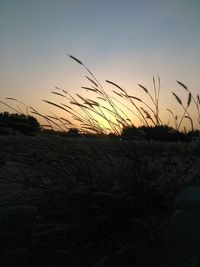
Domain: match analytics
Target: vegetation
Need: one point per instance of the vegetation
(81, 202)
(118, 111)
(24, 124)
(158, 133)
(93, 201)
(112, 109)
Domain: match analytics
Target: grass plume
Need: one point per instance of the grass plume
(108, 112)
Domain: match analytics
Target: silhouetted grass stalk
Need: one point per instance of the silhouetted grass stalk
(185, 108)
(91, 114)
(119, 116)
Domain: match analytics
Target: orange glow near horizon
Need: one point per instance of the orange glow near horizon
(166, 101)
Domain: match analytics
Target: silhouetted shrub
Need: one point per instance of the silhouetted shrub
(162, 133)
(24, 124)
(193, 135)
(157, 133)
(73, 132)
(132, 133)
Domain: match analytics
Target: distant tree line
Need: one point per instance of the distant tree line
(158, 133)
(13, 123)
(28, 125)
(148, 133)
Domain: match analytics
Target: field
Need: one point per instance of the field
(93, 202)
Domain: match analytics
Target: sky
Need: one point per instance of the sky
(127, 42)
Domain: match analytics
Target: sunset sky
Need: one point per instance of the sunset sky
(124, 41)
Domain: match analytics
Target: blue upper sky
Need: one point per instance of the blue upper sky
(125, 41)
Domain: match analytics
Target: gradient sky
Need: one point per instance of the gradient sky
(125, 41)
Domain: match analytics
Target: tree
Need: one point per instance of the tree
(155, 133)
(25, 124)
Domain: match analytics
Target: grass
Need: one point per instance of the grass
(82, 202)
(108, 112)
(93, 202)
(113, 109)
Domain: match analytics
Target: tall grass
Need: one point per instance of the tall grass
(114, 106)
(108, 112)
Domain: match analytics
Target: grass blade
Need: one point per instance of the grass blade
(144, 88)
(183, 85)
(116, 85)
(76, 59)
(177, 98)
(189, 99)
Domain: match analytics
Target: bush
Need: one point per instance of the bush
(24, 124)
(73, 132)
(132, 133)
(157, 133)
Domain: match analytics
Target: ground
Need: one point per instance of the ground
(94, 202)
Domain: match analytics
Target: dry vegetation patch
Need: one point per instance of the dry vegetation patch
(84, 202)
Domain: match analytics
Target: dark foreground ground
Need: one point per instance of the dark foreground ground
(75, 202)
